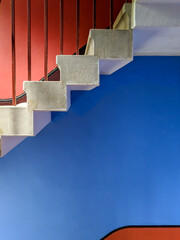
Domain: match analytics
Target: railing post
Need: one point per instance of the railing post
(13, 52)
(111, 14)
(46, 40)
(94, 14)
(61, 25)
(77, 27)
(29, 37)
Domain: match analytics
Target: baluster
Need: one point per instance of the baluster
(61, 25)
(46, 40)
(13, 52)
(29, 37)
(111, 14)
(77, 27)
(94, 14)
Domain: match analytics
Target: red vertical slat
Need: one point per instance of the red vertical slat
(29, 37)
(13, 52)
(77, 27)
(61, 25)
(46, 40)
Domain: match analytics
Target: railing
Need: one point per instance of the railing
(29, 59)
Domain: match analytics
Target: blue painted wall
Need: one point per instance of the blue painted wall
(112, 160)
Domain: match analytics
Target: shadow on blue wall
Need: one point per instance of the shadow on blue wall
(113, 159)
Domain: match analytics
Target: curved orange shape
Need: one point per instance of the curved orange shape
(145, 233)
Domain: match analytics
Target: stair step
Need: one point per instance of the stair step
(19, 125)
(46, 96)
(156, 27)
(113, 48)
(79, 72)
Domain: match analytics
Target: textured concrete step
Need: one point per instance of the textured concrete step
(21, 121)
(18, 122)
(156, 27)
(79, 72)
(113, 48)
(46, 96)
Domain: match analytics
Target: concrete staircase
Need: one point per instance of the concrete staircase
(145, 27)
